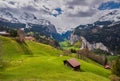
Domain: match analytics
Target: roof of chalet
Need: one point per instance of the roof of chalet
(73, 62)
(107, 67)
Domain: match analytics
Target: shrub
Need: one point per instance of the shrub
(73, 51)
(13, 33)
(3, 64)
(67, 52)
(114, 78)
(97, 58)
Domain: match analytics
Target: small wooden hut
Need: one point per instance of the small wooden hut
(73, 63)
(107, 67)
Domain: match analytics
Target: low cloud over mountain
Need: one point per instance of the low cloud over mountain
(64, 14)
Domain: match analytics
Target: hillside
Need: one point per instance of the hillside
(34, 61)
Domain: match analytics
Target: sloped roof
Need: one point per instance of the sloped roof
(107, 67)
(74, 62)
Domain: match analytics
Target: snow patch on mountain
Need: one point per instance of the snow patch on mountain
(27, 18)
(107, 15)
(22, 18)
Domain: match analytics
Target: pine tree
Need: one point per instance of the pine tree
(106, 60)
(116, 67)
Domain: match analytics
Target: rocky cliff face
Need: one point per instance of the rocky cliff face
(86, 44)
(99, 45)
(74, 38)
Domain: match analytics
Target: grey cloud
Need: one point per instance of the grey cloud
(11, 2)
(77, 2)
(89, 13)
(29, 8)
(43, 11)
(89, 3)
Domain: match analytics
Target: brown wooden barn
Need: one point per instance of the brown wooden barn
(73, 63)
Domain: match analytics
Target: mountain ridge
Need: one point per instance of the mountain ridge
(104, 31)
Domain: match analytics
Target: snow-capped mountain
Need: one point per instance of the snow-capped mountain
(27, 19)
(31, 22)
(28, 11)
(103, 18)
(104, 30)
(112, 15)
(24, 17)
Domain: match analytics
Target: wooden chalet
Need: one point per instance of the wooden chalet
(107, 67)
(73, 63)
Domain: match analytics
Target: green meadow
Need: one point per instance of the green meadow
(33, 61)
(67, 46)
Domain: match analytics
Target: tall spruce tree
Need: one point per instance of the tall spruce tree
(105, 61)
(116, 67)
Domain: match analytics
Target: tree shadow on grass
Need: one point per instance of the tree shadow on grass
(25, 48)
(4, 76)
(81, 70)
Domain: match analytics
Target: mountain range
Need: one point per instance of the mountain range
(30, 23)
(105, 28)
(104, 33)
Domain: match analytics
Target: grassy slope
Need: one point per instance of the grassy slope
(44, 64)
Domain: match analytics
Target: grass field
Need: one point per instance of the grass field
(34, 61)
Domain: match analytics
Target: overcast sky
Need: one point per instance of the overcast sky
(64, 14)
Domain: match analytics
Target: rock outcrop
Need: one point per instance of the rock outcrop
(86, 44)
(74, 38)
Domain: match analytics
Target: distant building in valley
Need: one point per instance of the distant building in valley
(30, 38)
(4, 33)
